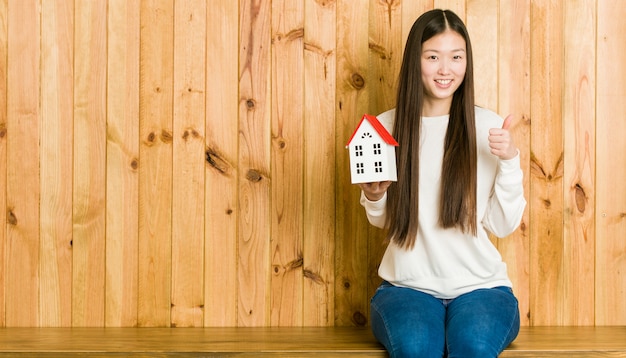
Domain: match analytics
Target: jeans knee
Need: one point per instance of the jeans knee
(410, 349)
(473, 348)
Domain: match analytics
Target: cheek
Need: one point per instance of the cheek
(461, 69)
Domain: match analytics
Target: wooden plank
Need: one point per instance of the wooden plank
(155, 169)
(411, 10)
(192, 342)
(57, 88)
(188, 156)
(88, 286)
(254, 158)
(22, 183)
(610, 284)
(579, 135)
(351, 240)
(482, 25)
(545, 341)
(287, 162)
(547, 242)
(122, 198)
(3, 152)
(385, 60)
(385, 53)
(457, 6)
(320, 66)
(514, 98)
(220, 275)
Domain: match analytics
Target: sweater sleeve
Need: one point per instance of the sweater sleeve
(506, 203)
(375, 210)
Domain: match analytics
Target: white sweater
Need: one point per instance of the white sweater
(447, 263)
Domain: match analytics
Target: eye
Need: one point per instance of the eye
(432, 57)
(458, 57)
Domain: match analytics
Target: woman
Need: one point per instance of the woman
(445, 289)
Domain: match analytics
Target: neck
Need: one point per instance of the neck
(434, 107)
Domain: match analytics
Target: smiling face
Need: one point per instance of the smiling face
(443, 65)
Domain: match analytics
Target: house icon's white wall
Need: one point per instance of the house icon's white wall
(372, 152)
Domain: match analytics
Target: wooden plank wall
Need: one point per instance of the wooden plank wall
(178, 163)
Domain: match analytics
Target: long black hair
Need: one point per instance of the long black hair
(457, 205)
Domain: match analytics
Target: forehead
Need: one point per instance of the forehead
(444, 42)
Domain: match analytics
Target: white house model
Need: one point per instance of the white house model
(372, 152)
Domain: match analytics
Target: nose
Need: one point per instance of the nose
(444, 67)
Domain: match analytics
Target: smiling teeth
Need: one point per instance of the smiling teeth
(444, 82)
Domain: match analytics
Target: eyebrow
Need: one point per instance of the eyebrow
(433, 50)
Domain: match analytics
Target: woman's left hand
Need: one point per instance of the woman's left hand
(501, 142)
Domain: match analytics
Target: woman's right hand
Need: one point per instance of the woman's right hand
(375, 191)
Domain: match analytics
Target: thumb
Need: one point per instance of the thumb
(507, 122)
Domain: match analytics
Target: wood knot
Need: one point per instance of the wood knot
(229, 211)
(216, 161)
(11, 218)
(325, 3)
(254, 176)
(346, 285)
(313, 276)
(3, 130)
(250, 104)
(151, 138)
(581, 198)
(359, 319)
(166, 136)
(190, 133)
(357, 81)
(134, 164)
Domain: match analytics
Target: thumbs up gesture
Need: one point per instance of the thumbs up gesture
(501, 142)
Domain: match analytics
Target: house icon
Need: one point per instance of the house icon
(372, 152)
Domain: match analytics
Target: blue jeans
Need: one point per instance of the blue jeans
(410, 323)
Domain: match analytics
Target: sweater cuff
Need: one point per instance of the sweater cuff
(510, 165)
(373, 207)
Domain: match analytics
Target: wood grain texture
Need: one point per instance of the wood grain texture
(3, 152)
(579, 234)
(221, 208)
(514, 86)
(610, 187)
(192, 152)
(351, 260)
(320, 66)
(122, 164)
(155, 167)
(482, 25)
(254, 158)
(287, 166)
(385, 59)
(89, 199)
(21, 258)
(55, 206)
(411, 10)
(188, 163)
(281, 341)
(546, 174)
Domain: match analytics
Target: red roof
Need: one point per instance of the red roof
(388, 138)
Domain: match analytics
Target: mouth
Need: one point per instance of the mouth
(443, 82)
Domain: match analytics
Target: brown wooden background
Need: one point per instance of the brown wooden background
(182, 162)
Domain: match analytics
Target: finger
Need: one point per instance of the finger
(507, 122)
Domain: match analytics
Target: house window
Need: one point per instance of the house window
(358, 150)
(366, 135)
(377, 149)
(378, 167)
(360, 168)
